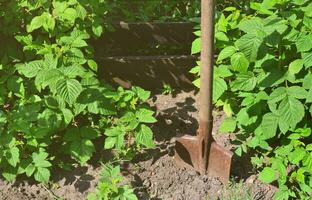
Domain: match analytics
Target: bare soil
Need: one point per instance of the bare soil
(154, 174)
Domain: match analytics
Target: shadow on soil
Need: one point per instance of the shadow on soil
(177, 119)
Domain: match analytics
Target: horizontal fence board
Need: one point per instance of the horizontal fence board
(132, 38)
(149, 72)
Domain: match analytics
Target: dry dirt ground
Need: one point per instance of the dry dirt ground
(154, 174)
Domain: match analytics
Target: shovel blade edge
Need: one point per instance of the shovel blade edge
(219, 164)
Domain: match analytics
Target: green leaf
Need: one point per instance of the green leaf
(97, 29)
(9, 173)
(294, 136)
(244, 82)
(196, 46)
(222, 71)
(278, 95)
(110, 142)
(93, 65)
(249, 44)
(145, 116)
(142, 94)
(70, 14)
(228, 125)
(296, 66)
(113, 132)
(220, 36)
(49, 78)
(291, 111)
(227, 52)
(307, 82)
(82, 150)
(15, 84)
(39, 157)
(239, 62)
(76, 39)
(219, 87)
(304, 43)
(144, 136)
(307, 59)
(268, 175)
(296, 156)
(251, 25)
(81, 12)
(269, 125)
(68, 116)
(69, 90)
(281, 195)
(297, 92)
(30, 69)
(35, 23)
(42, 175)
(12, 156)
(30, 169)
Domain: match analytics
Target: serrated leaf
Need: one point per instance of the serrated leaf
(278, 95)
(68, 116)
(81, 12)
(221, 36)
(12, 156)
(70, 14)
(145, 116)
(9, 173)
(307, 59)
(296, 66)
(307, 82)
(196, 46)
(82, 150)
(219, 87)
(228, 126)
(35, 23)
(304, 43)
(144, 136)
(227, 52)
(251, 25)
(113, 132)
(30, 69)
(69, 90)
(291, 111)
(268, 175)
(249, 44)
(93, 65)
(297, 92)
(296, 156)
(97, 29)
(30, 169)
(239, 62)
(110, 142)
(42, 175)
(244, 82)
(49, 78)
(222, 71)
(269, 125)
(142, 94)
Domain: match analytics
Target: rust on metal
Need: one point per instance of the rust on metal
(201, 152)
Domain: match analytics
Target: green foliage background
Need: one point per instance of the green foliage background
(263, 83)
(53, 106)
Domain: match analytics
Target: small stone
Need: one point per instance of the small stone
(147, 183)
(251, 179)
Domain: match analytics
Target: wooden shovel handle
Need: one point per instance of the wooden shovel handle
(206, 81)
(207, 60)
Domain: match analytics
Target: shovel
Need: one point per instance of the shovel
(201, 152)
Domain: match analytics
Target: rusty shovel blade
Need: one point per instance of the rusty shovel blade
(188, 154)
